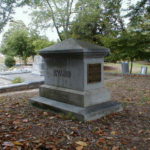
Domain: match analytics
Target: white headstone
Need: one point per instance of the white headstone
(38, 65)
(143, 70)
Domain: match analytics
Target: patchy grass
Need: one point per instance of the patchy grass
(17, 80)
(25, 127)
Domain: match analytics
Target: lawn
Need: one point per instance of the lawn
(23, 127)
(136, 67)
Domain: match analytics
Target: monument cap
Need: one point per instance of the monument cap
(74, 46)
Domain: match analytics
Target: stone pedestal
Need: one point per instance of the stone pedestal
(74, 80)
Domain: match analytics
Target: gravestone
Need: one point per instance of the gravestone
(125, 67)
(74, 81)
(38, 65)
(143, 70)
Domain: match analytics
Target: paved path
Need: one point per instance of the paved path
(20, 92)
(25, 76)
(4, 82)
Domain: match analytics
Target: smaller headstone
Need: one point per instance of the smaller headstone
(143, 70)
(3, 68)
(125, 67)
(38, 66)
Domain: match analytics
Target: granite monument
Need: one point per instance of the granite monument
(74, 80)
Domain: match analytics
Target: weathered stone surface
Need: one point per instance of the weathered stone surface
(80, 113)
(74, 46)
(74, 97)
(74, 80)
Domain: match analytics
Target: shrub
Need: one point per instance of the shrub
(10, 61)
(17, 80)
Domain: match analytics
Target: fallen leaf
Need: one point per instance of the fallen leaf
(25, 120)
(68, 137)
(100, 132)
(51, 117)
(113, 132)
(45, 113)
(8, 144)
(18, 143)
(140, 131)
(102, 140)
(109, 138)
(134, 148)
(81, 143)
(16, 122)
(115, 148)
(79, 148)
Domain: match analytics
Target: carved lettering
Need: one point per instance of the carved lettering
(62, 73)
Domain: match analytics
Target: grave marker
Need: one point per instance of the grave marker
(74, 80)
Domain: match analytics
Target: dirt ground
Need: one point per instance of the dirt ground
(23, 127)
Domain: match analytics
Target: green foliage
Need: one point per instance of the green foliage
(97, 21)
(10, 61)
(16, 42)
(138, 12)
(17, 80)
(7, 9)
(105, 26)
(53, 13)
(69, 115)
(19, 41)
(39, 42)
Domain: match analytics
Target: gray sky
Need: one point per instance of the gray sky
(23, 14)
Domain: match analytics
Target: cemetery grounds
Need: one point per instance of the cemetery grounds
(116, 67)
(23, 127)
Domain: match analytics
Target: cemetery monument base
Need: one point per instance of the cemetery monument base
(79, 113)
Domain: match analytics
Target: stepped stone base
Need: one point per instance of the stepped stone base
(80, 113)
(74, 97)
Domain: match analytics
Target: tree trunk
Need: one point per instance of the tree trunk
(24, 60)
(54, 21)
(131, 66)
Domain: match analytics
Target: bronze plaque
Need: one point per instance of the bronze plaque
(94, 73)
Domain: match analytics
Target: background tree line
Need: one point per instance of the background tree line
(98, 21)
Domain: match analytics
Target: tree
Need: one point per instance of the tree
(7, 9)
(39, 42)
(131, 46)
(55, 13)
(21, 42)
(139, 16)
(97, 20)
(16, 41)
(18, 44)
(138, 12)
